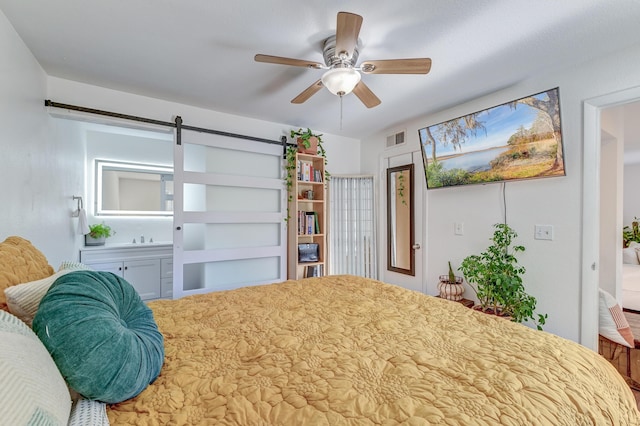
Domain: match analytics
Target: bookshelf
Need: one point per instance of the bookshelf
(307, 226)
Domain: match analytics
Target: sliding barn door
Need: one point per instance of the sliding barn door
(229, 209)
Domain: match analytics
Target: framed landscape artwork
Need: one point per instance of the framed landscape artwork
(521, 139)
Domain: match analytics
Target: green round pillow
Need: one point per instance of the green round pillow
(101, 335)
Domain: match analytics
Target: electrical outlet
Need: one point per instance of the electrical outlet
(458, 228)
(543, 232)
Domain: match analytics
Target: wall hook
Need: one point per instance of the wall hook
(76, 212)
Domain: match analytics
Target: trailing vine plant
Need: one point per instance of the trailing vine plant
(290, 167)
(401, 188)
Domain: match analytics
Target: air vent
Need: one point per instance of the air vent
(395, 139)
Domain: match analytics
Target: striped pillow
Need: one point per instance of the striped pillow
(23, 299)
(32, 389)
(613, 324)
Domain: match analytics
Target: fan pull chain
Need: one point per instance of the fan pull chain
(341, 112)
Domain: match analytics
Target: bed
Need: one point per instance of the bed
(349, 350)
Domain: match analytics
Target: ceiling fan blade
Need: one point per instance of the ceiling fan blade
(307, 93)
(287, 61)
(397, 66)
(368, 98)
(347, 32)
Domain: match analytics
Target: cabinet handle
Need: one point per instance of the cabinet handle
(126, 267)
(119, 268)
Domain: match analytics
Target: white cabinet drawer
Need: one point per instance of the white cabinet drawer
(166, 267)
(166, 288)
(149, 269)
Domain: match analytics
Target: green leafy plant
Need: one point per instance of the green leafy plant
(100, 230)
(401, 188)
(631, 234)
(496, 278)
(305, 136)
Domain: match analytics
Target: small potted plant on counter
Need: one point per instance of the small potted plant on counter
(98, 234)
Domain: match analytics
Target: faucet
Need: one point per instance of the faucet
(142, 238)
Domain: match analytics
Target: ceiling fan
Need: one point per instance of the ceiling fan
(340, 54)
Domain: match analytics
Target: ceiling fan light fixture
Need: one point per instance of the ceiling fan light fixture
(341, 81)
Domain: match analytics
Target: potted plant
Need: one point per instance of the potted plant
(496, 278)
(631, 234)
(97, 234)
(450, 286)
(308, 143)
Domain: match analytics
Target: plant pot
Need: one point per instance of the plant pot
(451, 291)
(490, 311)
(313, 146)
(90, 241)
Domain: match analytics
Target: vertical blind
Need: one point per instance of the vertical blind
(352, 243)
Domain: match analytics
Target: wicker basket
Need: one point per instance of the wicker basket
(449, 290)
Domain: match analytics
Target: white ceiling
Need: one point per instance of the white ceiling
(200, 52)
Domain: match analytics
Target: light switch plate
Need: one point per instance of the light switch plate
(543, 232)
(458, 228)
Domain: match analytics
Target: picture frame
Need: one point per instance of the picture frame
(517, 140)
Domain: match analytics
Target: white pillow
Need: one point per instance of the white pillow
(23, 299)
(613, 324)
(32, 390)
(630, 255)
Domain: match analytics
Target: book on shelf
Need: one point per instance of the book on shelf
(317, 225)
(308, 223)
(305, 171)
(314, 271)
(311, 223)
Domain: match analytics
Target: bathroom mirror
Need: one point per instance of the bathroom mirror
(400, 240)
(133, 189)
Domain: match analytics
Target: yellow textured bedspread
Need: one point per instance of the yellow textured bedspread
(347, 350)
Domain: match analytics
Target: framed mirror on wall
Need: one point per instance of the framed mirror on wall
(400, 220)
(133, 189)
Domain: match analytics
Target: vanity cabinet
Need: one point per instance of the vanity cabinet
(148, 268)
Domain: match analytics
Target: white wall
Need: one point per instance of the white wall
(41, 165)
(610, 210)
(553, 267)
(631, 208)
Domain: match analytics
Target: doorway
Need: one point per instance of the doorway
(416, 281)
(592, 111)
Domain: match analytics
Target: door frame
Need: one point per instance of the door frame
(420, 224)
(591, 208)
